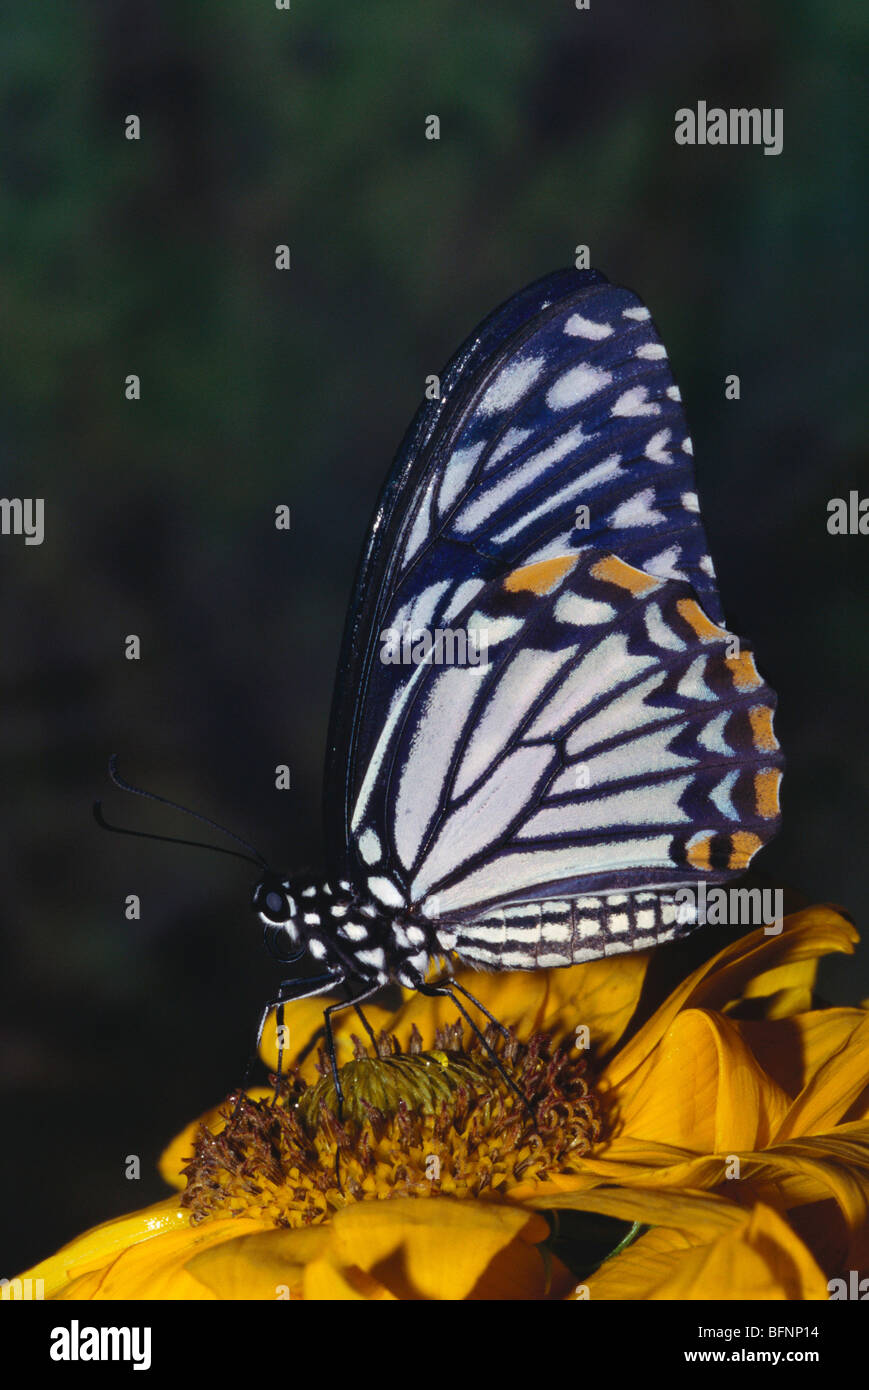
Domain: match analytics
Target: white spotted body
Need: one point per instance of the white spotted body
(359, 938)
(343, 931)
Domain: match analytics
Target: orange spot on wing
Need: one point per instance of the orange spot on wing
(761, 728)
(699, 853)
(694, 616)
(614, 571)
(744, 671)
(766, 786)
(542, 577)
(743, 844)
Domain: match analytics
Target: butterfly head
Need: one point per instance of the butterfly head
(278, 909)
(301, 914)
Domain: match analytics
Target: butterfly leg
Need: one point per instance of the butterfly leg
(353, 1002)
(367, 1026)
(505, 1032)
(446, 991)
(288, 991)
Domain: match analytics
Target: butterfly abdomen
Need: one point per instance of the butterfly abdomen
(565, 931)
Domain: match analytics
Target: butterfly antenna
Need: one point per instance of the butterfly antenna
(253, 856)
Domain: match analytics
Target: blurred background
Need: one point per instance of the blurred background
(156, 257)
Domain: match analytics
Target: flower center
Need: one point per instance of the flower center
(412, 1123)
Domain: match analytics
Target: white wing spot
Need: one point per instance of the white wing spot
(462, 597)
(660, 632)
(712, 736)
(355, 931)
(369, 846)
(576, 385)
(420, 528)
(638, 511)
(510, 385)
(600, 473)
(385, 891)
(635, 402)
(692, 685)
(457, 473)
(665, 564)
(579, 327)
(512, 439)
(375, 957)
(506, 488)
(571, 608)
(657, 450)
(721, 796)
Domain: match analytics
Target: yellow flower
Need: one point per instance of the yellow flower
(727, 1130)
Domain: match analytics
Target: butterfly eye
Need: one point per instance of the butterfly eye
(273, 902)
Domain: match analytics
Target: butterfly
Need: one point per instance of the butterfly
(534, 795)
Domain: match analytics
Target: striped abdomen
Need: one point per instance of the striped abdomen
(564, 931)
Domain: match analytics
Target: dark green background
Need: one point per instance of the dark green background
(261, 127)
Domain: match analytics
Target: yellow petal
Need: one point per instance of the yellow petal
(602, 995)
(791, 1050)
(788, 1175)
(720, 981)
(641, 1269)
(325, 1280)
(81, 1290)
(828, 1095)
(699, 1215)
(819, 1166)
(436, 1248)
(157, 1269)
(95, 1248)
(762, 1258)
(783, 990)
(269, 1264)
(701, 1089)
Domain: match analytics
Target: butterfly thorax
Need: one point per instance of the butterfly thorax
(344, 929)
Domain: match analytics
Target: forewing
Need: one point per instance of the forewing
(562, 400)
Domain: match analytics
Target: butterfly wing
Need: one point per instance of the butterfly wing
(615, 738)
(562, 400)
